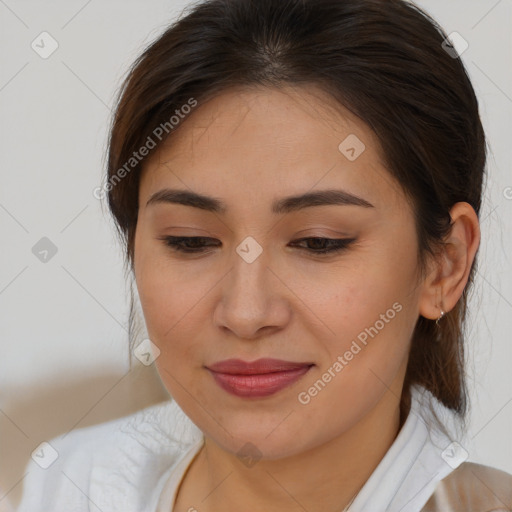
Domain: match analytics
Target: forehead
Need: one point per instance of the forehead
(253, 144)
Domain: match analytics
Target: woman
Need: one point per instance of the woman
(297, 184)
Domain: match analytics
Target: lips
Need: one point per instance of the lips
(259, 378)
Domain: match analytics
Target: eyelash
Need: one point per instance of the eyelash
(337, 244)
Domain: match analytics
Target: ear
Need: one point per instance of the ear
(449, 272)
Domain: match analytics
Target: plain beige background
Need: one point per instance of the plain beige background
(65, 360)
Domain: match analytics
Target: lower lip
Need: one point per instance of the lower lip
(265, 384)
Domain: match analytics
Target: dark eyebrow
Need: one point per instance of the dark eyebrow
(318, 198)
(284, 205)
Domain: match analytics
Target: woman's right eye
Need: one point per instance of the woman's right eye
(187, 244)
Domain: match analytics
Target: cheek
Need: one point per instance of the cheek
(369, 310)
(347, 305)
(163, 295)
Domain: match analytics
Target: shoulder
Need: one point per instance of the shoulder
(116, 464)
(472, 487)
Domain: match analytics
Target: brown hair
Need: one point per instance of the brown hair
(382, 59)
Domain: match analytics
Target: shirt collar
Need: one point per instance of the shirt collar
(421, 456)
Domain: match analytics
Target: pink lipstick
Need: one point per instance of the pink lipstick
(256, 379)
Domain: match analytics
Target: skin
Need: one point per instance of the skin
(248, 147)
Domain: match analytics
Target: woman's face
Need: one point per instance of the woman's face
(259, 290)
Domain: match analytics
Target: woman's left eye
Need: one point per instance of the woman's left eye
(195, 244)
(326, 245)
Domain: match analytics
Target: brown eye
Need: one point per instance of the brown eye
(325, 245)
(187, 244)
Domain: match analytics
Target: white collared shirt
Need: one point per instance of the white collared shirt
(136, 463)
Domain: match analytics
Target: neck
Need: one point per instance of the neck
(326, 477)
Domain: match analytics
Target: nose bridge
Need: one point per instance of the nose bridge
(250, 298)
(250, 273)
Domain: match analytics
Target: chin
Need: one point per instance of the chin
(256, 442)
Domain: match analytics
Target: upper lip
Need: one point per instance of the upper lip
(260, 366)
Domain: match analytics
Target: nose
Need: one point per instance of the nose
(254, 301)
